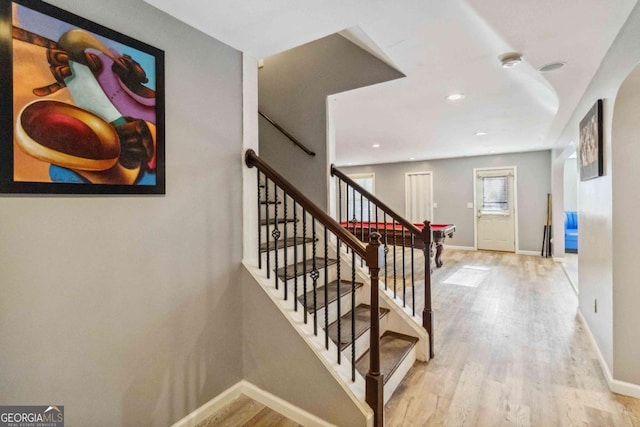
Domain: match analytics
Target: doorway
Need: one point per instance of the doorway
(495, 208)
(418, 196)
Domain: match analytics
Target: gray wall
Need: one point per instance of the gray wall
(599, 277)
(292, 89)
(453, 189)
(127, 309)
(571, 185)
(626, 235)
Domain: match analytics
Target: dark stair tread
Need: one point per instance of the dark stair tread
(290, 241)
(332, 290)
(394, 347)
(270, 202)
(299, 267)
(272, 221)
(363, 322)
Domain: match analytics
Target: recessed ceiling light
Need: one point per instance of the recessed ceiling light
(552, 67)
(480, 133)
(376, 145)
(510, 59)
(455, 96)
(349, 164)
(412, 158)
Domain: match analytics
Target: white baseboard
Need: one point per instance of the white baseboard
(519, 252)
(279, 405)
(460, 248)
(616, 386)
(211, 407)
(573, 285)
(558, 259)
(282, 406)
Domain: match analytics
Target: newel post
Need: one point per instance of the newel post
(427, 314)
(374, 379)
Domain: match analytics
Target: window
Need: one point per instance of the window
(363, 211)
(495, 194)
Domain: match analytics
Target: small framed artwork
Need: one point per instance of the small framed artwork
(81, 106)
(591, 157)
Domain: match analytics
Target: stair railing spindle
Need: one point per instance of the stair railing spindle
(276, 233)
(314, 277)
(404, 274)
(353, 316)
(259, 221)
(386, 251)
(304, 266)
(286, 244)
(413, 278)
(338, 302)
(395, 264)
(326, 289)
(295, 254)
(265, 203)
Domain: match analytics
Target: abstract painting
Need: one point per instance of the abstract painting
(82, 106)
(591, 158)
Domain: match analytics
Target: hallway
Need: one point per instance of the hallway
(510, 350)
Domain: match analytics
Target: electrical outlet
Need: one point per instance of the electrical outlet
(595, 305)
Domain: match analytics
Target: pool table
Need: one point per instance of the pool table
(395, 236)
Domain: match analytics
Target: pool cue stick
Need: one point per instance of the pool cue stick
(550, 224)
(544, 234)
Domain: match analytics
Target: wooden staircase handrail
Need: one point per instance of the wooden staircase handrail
(287, 134)
(253, 160)
(397, 217)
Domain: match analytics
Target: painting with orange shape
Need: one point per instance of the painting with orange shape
(126, 74)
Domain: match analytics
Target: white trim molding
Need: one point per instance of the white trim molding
(271, 401)
(616, 386)
(520, 252)
(460, 248)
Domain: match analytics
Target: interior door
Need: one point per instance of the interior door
(419, 197)
(495, 209)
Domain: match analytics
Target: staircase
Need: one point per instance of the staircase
(331, 279)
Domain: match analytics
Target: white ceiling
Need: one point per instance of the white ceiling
(443, 47)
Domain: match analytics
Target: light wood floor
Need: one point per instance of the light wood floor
(510, 351)
(245, 412)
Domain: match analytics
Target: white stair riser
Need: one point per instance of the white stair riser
(394, 381)
(345, 307)
(291, 255)
(320, 282)
(267, 230)
(362, 342)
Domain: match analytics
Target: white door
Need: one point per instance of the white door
(419, 197)
(495, 209)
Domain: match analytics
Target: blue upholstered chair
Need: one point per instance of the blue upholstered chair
(571, 231)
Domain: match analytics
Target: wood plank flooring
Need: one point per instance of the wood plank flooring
(245, 412)
(510, 351)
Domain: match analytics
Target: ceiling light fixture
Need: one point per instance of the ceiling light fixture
(376, 145)
(480, 133)
(455, 96)
(552, 67)
(412, 158)
(511, 59)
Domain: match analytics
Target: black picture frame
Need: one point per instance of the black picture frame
(590, 149)
(82, 107)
